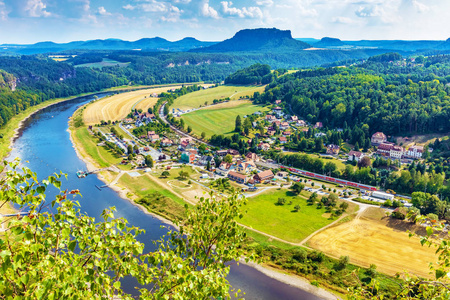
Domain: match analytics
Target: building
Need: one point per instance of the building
(378, 138)
(277, 109)
(264, 176)
(205, 159)
(319, 134)
(283, 140)
(318, 125)
(383, 195)
(244, 167)
(166, 142)
(188, 157)
(251, 156)
(284, 125)
(153, 138)
(333, 149)
(277, 101)
(264, 146)
(224, 168)
(287, 133)
(270, 117)
(355, 156)
(240, 178)
(415, 152)
(396, 152)
(385, 148)
(222, 152)
(294, 118)
(301, 123)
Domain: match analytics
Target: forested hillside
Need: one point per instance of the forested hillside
(393, 97)
(255, 74)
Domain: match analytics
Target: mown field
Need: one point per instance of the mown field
(219, 119)
(372, 239)
(281, 221)
(197, 99)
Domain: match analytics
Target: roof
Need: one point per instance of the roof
(207, 158)
(265, 174)
(283, 138)
(397, 148)
(355, 153)
(236, 174)
(379, 135)
(332, 146)
(385, 146)
(417, 148)
(224, 165)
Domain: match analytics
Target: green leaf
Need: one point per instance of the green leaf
(116, 285)
(72, 245)
(439, 273)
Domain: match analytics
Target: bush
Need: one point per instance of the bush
(281, 201)
(316, 256)
(300, 255)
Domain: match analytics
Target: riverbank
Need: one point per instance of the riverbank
(123, 192)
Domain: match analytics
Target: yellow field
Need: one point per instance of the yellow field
(368, 241)
(119, 106)
(146, 103)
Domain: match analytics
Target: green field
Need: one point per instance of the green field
(262, 214)
(104, 63)
(197, 99)
(218, 121)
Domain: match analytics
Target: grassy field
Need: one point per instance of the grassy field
(339, 163)
(197, 99)
(219, 119)
(373, 240)
(280, 221)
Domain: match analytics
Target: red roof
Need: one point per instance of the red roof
(236, 174)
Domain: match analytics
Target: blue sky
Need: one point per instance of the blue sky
(29, 21)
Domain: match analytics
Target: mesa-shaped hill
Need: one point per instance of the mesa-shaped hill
(259, 40)
(329, 42)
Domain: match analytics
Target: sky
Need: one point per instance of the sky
(30, 21)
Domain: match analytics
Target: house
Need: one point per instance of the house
(243, 167)
(319, 134)
(276, 122)
(153, 138)
(277, 108)
(233, 152)
(294, 118)
(257, 113)
(415, 152)
(224, 168)
(251, 156)
(205, 159)
(301, 123)
(188, 157)
(385, 148)
(264, 176)
(128, 120)
(271, 132)
(287, 133)
(318, 125)
(138, 123)
(183, 145)
(378, 138)
(333, 149)
(277, 101)
(264, 146)
(284, 125)
(283, 140)
(166, 142)
(222, 152)
(240, 178)
(270, 118)
(355, 156)
(396, 152)
(254, 124)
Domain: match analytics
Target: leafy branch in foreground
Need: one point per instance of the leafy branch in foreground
(67, 254)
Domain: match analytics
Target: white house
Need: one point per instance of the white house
(415, 152)
(396, 152)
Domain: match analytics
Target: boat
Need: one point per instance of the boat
(82, 174)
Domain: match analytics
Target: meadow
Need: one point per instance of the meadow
(198, 98)
(219, 119)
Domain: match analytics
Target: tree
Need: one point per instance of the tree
(208, 165)
(129, 149)
(238, 124)
(149, 161)
(364, 162)
(228, 158)
(85, 259)
(165, 174)
(281, 201)
(189, 129)
(183, 174)
(296, 208)
(203, 135)
(297, 187)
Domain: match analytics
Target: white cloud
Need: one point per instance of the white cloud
(342, 20)
(36, 8)
(102, 11)
(244, 12)
(208, 11)
(420, 7)
(129, 7)
(264, 2)
(3, 11)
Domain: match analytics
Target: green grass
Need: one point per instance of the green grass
(280, 221)
(339, 163)
(197, 99)
(104, 63)
(218, 121)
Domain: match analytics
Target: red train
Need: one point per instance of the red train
(331, 179)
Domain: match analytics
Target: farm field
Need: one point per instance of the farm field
(279, 220)
(219, 119)
(104, 63)
(119, 106)
(373, 240)
(197, 99)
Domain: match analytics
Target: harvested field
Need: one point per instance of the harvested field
(420, 139)
(384, 243)
(147, 103)
(118, 106)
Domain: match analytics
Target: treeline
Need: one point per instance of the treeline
(255, 74)
(416, 100)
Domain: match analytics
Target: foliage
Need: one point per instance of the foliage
(63, 253)
(255, 74)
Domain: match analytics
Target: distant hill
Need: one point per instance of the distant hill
(329, 42)
(147, 44)
(260, 40)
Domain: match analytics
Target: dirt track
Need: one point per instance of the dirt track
(368, 242)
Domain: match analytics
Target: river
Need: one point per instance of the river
(44, 142)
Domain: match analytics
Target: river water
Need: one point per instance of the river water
(44, 146)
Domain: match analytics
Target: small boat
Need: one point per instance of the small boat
(82, 174)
